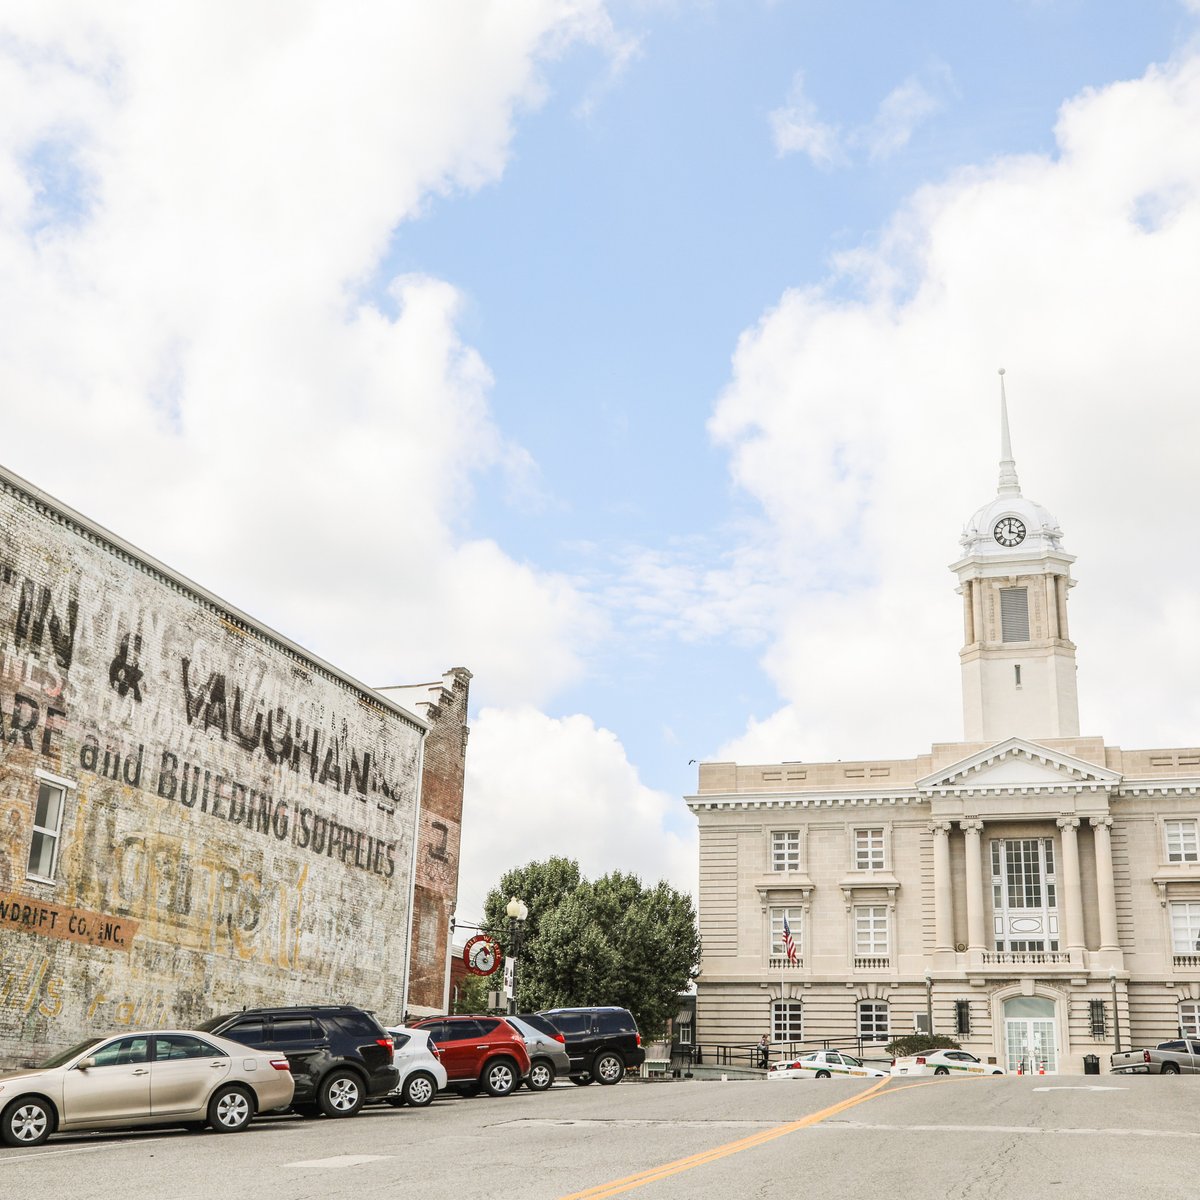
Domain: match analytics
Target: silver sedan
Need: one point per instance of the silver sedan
(161, 1077)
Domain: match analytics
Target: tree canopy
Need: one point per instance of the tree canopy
(611, 941)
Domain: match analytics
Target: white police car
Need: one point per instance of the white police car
(823, 1064)
(944, 1062)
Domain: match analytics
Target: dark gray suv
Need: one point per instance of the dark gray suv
(603, 1043)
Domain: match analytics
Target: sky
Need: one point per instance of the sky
(638, 356)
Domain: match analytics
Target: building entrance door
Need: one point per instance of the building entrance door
(1030, 1036)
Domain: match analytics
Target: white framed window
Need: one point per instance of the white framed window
(794, 916)
(787, 1021)
(47, 831)
(1185, 926)
(1189, 1019)
(1182, 843)
(869, 853)
(874, 1023)
(870, 931)
(785, 850)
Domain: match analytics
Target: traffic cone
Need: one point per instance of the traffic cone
(1020, 1068)
(1042, 1069)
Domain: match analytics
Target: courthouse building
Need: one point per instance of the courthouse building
(1032, 892)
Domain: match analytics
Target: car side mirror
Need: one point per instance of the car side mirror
(84, 1063)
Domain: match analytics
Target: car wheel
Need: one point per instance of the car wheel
(609, 1069)
(581, 1080)
(1170, 1068)
(26, 1122)
(230, 1110)
(419, 1089)
(341, 1094)
(823, 1075)
(941, 1070)
(541, 1075)
(500, 1077)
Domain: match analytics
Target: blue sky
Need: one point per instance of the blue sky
(639, 357)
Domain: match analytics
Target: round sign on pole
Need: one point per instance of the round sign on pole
(481, 955)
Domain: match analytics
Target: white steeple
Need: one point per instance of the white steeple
(1018, 665)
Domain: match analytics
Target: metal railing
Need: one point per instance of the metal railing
(749, 1054)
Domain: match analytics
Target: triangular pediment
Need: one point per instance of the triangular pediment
(1018, 764)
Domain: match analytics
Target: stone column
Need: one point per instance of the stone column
(977, 940)
(1051, 606)
(1072, 890)
(1106, 890)
(943, 896)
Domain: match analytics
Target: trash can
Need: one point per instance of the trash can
(1091, 1064)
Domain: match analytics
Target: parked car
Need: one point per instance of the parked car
(478, 1052)
(340, 1056)
(603, 1043)
(823, 1064)
(1180, 1056)
(419, 1062)
(160, 1077)
(944, 1062)
(548, 1057)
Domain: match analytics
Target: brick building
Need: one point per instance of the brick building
(195, 813)
(443, 706)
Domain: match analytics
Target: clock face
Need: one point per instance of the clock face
(1009, 531)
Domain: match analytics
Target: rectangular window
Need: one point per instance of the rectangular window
(787, 1021)
(47, 826)
(1014, 614)
(962, 1017)
(1189, 1019)
(1096, 1017)
(1185, 926)
(870, 931)
(868, 849)
(1182, 843)
(785, 850)
(793, 919)
(873, 1023)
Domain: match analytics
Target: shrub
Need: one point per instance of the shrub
(918, 1043)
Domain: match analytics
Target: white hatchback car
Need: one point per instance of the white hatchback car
(419, 1061)
(824, 1064)
(944, 1062)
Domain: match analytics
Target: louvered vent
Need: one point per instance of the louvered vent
(1014, 614)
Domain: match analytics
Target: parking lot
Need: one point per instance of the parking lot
(1004, 1137)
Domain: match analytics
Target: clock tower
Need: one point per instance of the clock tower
(1018, 662)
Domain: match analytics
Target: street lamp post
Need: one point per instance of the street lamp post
(929, 1002)
(517, 912)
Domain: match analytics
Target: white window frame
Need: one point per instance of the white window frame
(787, 1021)
(1189, 1018)
(53, 834)
(874, 1030)
(1185, 926)
(795, 916)
(870, 849)
(1181, 840)
(871, 922)
(785, 850)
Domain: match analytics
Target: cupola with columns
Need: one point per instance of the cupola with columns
(1018, 662)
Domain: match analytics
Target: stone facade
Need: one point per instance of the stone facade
(1031, 892)
(443, 706)
(195, 814)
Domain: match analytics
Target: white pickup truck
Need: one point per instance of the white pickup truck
(1180, 1057)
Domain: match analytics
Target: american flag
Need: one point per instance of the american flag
(789, 945)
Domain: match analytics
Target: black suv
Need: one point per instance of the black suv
(603, 1042)
(341, 1057)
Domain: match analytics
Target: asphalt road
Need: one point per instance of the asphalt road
(973, 1139)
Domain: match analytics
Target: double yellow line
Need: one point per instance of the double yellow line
(617, 1186)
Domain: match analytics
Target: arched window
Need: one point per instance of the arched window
(787, 1021)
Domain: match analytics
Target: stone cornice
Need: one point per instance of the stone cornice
(756, 800)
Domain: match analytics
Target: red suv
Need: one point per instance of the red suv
(479, 1052)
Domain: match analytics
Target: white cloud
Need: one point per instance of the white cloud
(539, 786)
(867, 429)
(899, 113)
(191, 208)
(796, 128)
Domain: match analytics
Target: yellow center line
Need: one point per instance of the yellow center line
(616, 1186)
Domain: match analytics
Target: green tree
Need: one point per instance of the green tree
(472, 994)
(614, 941)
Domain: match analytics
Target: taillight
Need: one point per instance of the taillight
(281, 1064)
(1145, 1056)
(920, 1061)
(893, 1062)
(639, 1038)
(433, 1049)
(558, 1037)
(386, 1043)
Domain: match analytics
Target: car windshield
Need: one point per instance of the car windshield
(65, 1057)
